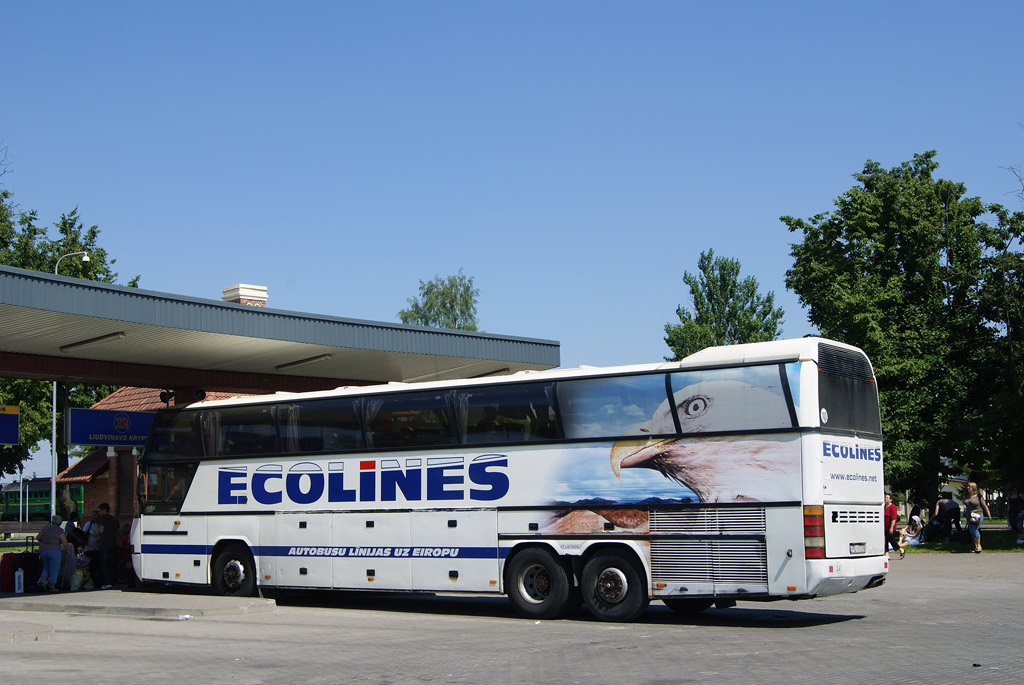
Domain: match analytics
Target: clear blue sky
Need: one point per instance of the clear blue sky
(573, 157)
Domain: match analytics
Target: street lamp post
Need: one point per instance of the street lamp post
(53, 421)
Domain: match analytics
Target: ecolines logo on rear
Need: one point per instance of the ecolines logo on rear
(442, 478)
(841, 451)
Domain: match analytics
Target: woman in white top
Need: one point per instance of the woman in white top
(910, 536)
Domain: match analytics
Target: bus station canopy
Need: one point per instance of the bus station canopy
(60, 328)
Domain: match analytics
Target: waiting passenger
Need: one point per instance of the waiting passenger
(910, 536)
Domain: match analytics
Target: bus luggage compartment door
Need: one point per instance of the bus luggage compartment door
(457, 551)
(304, 560)
(372, 550)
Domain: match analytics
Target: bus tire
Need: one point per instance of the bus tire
(614, 587)
(234, 571)
(539, 585)
(687, 606)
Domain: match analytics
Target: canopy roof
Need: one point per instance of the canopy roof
(56, 327)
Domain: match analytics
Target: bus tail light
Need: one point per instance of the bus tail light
(814, 532)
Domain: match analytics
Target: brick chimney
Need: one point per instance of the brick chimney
(252, 295)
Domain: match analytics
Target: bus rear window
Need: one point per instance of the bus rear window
(847, 391)
(848, 404)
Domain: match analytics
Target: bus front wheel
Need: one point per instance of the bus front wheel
(234, 571)
(539, 585)
(614, 587)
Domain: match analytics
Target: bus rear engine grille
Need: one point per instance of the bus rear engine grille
(709, 561)
(709, 521)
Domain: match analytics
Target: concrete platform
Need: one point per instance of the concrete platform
(157, 603)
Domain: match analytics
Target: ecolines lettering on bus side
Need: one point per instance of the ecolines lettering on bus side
(306, 482)
(840, 451)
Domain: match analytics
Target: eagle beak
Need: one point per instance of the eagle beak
(633, 453)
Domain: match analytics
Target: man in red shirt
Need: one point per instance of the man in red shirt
(891, 516)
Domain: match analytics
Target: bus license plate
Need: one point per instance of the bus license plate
(858, 547)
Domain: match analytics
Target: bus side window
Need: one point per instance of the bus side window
(321, 426)
(167, 485)
(506, 413)
(615, 406)
(409, 419)
(245, 430)
(542, 424)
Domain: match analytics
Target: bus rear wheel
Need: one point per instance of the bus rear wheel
(687, 606)
(539, 585)
(614, 587)
(234, 571)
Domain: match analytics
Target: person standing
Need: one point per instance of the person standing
(976, 510)
(1015, 514)
(108, 547)
(52, 543)
(92, 546)
(946, 515)
(890, 516)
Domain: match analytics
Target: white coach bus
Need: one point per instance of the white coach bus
(745, 472)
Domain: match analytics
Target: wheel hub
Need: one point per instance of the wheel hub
(234, 574)
(612, 585)
(534, 584)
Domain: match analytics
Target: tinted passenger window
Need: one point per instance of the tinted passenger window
(612, 407)
(321, 426)
(509, 413)
(408, 420)
(174, 436)
(241, 430)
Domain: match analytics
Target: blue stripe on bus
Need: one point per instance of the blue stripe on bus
(369, 551)
(359, 552)
(148, 548)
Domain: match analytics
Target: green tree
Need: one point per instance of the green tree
(444, 303)
(897, 269)
(727, 310)
(999, 433)
(25, 244)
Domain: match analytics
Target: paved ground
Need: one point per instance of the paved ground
(956, 618)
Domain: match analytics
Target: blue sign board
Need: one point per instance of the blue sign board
(107, 427)
(8, 425)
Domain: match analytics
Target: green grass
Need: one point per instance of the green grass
(1004, 540)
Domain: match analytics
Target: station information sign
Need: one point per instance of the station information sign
(108, 427)
(8, 425)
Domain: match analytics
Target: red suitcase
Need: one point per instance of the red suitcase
(8, 563)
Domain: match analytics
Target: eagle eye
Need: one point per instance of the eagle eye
(694, 406)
